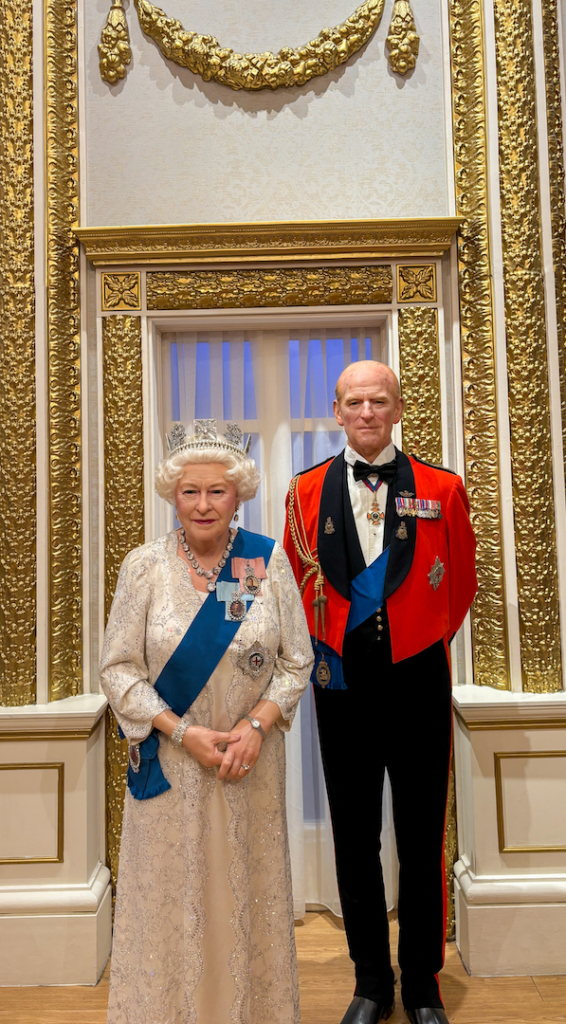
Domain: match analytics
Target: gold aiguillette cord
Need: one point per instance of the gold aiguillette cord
(309, 560)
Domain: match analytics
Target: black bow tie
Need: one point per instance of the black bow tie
(387, 472)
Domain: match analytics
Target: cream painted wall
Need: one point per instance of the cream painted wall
(163, 146)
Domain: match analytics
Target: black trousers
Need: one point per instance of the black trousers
(397, 717)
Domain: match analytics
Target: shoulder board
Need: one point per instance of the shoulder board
(431, 465)
(310, 469)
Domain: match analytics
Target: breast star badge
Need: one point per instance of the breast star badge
(436, 573)
(255, 660)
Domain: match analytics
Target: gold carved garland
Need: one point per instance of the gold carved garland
(204, 55)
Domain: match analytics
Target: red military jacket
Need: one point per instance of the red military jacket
(430, 580)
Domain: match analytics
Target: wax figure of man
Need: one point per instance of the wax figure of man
(382, 546)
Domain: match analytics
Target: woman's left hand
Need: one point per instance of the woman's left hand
(245, 751)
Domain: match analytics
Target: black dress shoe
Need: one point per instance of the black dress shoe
(427, 1015)
(365, 1011)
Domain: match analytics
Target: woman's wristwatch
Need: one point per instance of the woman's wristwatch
(255, 724)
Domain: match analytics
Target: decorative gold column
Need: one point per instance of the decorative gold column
(557, 198)
(422, 435)
(420, 382)
(489, 628)
(17, 358)
(63, 338)
(529, 411)
(124, 513)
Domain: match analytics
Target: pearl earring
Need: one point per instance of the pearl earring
(236, 516)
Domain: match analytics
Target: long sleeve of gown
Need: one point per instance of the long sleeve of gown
(295, 658)
(124, 671)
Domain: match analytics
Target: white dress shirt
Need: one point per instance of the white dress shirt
(362, 498)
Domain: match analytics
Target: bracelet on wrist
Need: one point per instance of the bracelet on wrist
(178, 733)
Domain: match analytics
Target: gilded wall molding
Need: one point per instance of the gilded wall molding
(419, 367)
(525, 321)
(489, 626)
(557, 198)
(17, 359)
(63, 340)
(197, 244)
(205, 56)
(124, 514)
(221, 289)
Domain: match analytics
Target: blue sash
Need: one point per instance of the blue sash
(367, 597)
(367, 591)
(192, 663)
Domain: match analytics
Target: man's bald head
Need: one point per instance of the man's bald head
(367, 371)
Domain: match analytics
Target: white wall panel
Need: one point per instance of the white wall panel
(162, 146)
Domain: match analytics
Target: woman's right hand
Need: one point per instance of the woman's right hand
(202, 743)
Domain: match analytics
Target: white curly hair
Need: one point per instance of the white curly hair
(242, 472)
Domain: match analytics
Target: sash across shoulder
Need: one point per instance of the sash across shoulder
(192, 663)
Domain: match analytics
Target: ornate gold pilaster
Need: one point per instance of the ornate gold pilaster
(529, 412)
(17, 358)
(124, 513)
(420, 382)
(489, 631)
(557, 199)
(65, 542)
(419, 362)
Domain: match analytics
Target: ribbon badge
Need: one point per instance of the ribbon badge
(234, 600)
(250, 572)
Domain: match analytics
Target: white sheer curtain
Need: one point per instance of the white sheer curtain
(279, 386)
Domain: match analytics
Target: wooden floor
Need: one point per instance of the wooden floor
(326, 988)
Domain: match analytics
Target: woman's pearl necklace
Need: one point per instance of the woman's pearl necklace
(207, 573)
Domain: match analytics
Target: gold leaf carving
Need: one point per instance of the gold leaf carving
(63, 329)
(489, 629)
(121, 291)
(197, 244)
(402, 41)
(285, 287)
(114, 47)
(17, 358)
(414, 283)
(124, 514)
(204, 55)
(525, 322)
(420, 382)
(557, 198)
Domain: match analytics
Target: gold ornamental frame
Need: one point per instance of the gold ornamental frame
(327, 267)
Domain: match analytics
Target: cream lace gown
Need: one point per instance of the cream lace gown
(204, 913)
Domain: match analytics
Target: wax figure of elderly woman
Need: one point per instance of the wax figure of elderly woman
(205, 657)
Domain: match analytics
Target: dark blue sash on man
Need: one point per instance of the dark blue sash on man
(366, 592)
(192, 663)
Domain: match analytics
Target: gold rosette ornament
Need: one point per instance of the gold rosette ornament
(402, 41)
(204, 55)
